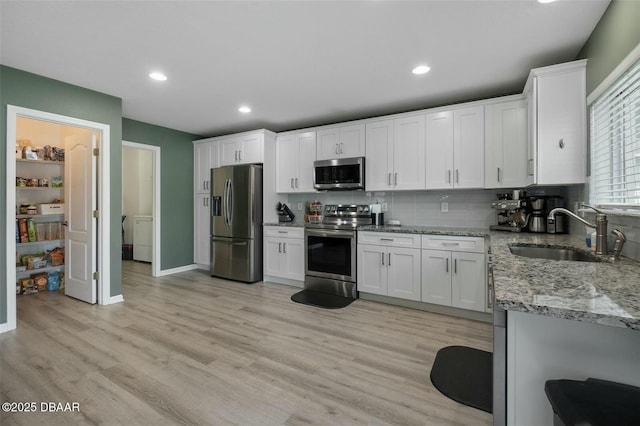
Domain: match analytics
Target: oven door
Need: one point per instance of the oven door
(330, 253)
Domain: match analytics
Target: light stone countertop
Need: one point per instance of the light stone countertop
(598, 292)
(286, 224)
(428, 230)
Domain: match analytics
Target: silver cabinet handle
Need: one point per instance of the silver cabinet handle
(498, 174)
(457, 176)
(282, 232)
(382, 256)
(561, 143)
(450, 244)
(447, 267)
(455, 266)
(395, 178)
(204, 184)
(386, 239)
(291, 183)
(341, 145)
(240, 155)
(337, 149)
(389, 179)
(284, 248)
(449, 176)
(236, 155)
(389, 263)
(296, 183)
(279, 247)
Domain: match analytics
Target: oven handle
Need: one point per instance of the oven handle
(330, 233)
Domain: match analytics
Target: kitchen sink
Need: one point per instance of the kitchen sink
(552, 253)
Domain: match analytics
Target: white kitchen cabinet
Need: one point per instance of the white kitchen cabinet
(454, 146)
(201, 231)
(389, 264)
(295, 154)
(205, 158)
(557, 110)
(454, 272)
(341, 142)
(284, 255)
(395, 154)
(506, 144)
(245, 148)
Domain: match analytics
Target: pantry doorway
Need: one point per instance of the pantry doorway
(86, 202)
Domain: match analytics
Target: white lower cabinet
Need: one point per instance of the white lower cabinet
(283, 254)
(389, 264)
(201, 235)
(454, 272)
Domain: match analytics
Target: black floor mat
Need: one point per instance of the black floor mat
(465, 375)
(321, 300)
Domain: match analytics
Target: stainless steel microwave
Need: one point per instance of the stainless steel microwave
(339, 174)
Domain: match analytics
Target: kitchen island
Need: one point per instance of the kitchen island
(565, 319)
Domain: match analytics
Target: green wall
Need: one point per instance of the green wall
(176, 183)
(617, 33)
(28, 90)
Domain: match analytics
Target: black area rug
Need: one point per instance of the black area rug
(465, 375)
(321, 300)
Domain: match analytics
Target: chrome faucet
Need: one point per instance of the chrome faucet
(600, 226)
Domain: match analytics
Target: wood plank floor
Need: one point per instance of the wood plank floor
(191, 349)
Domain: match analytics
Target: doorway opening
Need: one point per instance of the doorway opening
(141, 203)
(66, 204)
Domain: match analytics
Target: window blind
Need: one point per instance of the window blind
(615, 143)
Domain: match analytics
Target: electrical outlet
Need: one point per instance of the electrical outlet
(444, 207)
(384, 207)
(300, 207)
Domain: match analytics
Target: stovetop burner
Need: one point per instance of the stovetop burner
(341, 216)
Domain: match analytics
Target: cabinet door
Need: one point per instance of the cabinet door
(379, 156)
(506, 145)
(403, 273)
(286, 163)
(372, 269)
(205, 158)
(436, 277)
(468, 282)
(327, 146)
(439, 150)
(306, 157)
(201, 237)
(229, 149)
(561, 128)
(293, 250)
(250, 149)
(273, 257)
(408, 153)
(468, 147)
(351, 142)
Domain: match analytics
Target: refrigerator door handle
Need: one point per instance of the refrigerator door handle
(215, 206)
(230, 210)
(225, 205)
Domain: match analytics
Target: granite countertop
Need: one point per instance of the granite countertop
(428, 230)
(598, 292)
(287, 224)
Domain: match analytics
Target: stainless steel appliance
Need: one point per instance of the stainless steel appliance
(560, 224)
(512, 215)
(330, 247)
(538, 217)
(236, 222)
(339, 174)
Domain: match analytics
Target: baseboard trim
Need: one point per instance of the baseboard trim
(116, 299)
(177, 270)
(285, 281)
(4, 327)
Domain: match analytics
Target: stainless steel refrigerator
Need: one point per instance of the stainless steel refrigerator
(236, 222)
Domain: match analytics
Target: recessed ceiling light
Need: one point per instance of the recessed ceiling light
(546, 1)
(421, 69)
(158, 76)
(244, 109)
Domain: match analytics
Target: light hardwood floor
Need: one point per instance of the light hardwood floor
(191, 349)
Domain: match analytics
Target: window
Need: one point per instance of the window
(615, 143)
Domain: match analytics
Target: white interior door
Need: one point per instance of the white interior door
(79, 199)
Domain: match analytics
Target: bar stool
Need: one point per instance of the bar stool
(593, 402)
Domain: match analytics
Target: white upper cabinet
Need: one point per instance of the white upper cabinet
(242, 149)
(341, 142)
(295, 154)
(205, 158)
(506, 144)
(395, 154)
(455, 148)
(557, 124)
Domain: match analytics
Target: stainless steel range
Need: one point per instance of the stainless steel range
(330, 247)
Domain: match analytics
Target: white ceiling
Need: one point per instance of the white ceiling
(296, 63)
